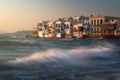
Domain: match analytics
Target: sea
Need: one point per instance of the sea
(59, 59)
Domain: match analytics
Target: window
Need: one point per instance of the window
(104, 31)
(97, 29)
(94, 22)
(94, 29)
(97, 22)
(67, 26)
(101, 21)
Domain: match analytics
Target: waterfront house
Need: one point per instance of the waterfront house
(117, 30)
(68, 29)
(41, 29)
(107, 30)
(58, 29)
(34, 32)
(78, 31)
(51, 29)
(102, 26)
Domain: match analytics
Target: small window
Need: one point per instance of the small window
(101, 21)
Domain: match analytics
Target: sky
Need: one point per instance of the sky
(18, 15)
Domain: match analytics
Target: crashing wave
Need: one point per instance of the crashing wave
(76, 56)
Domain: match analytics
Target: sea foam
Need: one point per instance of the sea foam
(75, 56)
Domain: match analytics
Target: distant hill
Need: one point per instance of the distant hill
(1, 32)
(17, 34)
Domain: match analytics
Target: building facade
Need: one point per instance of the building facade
(102, 26)
(78, 27)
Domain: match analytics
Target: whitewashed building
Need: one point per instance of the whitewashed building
(77, 31)
(68, 29)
